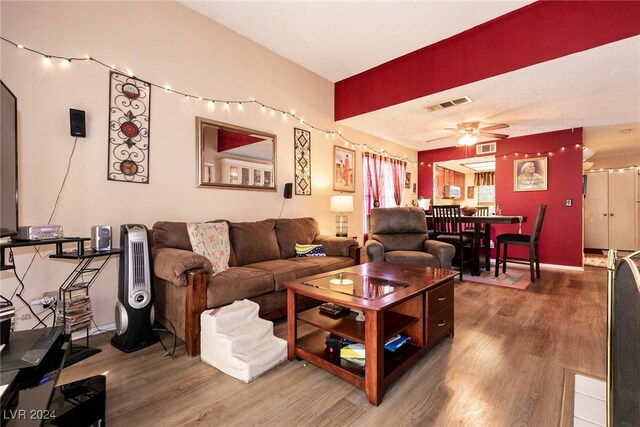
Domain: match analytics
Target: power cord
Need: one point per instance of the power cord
(175, 339)
(19, 293)
(37, 249)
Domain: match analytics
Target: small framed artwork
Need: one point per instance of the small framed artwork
(470, 192)
(530, 174)
(267, 178)
(415, 188)
(344, 169)
(407, 180)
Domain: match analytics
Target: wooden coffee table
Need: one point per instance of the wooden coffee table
(395, 298)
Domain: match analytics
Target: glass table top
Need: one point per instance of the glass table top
(366, 287)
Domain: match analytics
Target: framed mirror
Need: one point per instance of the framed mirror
(235, 157)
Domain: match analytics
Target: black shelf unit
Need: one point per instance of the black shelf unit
(82, 276)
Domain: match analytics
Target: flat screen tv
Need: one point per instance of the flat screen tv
(9, 162)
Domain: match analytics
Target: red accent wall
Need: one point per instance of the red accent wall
(538, 32)
(561, 238)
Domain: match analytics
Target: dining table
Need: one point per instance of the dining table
(478, 221)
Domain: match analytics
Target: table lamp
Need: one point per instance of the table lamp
(340, 205)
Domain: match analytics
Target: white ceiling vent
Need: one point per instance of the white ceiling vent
(447, 104)
(488, 148)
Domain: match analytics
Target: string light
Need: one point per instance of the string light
(612, 170)
(517, 153)
(210, 102)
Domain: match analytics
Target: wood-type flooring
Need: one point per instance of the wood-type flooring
(504, 367)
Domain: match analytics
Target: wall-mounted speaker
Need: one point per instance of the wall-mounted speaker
(77, 125)
(101, 237)
(288, 190)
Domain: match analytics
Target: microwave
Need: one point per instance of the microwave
(451, 192)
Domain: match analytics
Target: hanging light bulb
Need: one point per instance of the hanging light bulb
(468, 139)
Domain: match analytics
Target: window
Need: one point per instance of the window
(384, 181)
(486, 194)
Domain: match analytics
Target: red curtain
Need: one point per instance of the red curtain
(373, 163)
(398, 169)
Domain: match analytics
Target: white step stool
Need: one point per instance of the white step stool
(236, 341)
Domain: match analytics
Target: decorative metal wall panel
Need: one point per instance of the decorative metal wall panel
(129, 121)
(303, 161)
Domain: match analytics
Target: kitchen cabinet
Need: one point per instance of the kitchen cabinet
(446, 176)
(610, 210)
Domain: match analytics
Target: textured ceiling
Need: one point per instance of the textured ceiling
(598, 89)
(337, 39)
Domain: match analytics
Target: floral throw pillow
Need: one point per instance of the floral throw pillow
(309, 250)
(212, 241)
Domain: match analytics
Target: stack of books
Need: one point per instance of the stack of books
(354, 353)
(75, 311)
(394, 343)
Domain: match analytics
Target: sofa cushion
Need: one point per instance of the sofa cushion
(397, 220)
(401, 241)
(254, 241)
(422, 259)
(212, 241)
(168, 234)
(290, 231)
(327, 263)
(237, 283)
(284, 270)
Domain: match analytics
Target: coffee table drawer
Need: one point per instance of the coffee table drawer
(439, 326)
(440, 298)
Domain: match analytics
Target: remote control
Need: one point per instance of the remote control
(333, 310)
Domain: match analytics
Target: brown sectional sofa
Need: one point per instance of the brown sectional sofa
(262, 258)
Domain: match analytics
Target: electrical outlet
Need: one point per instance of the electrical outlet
(491, 244)
(26, 316)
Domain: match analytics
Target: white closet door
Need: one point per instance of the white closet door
(621, 209)
(596, 211)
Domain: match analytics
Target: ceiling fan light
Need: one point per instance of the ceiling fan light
(468, 139)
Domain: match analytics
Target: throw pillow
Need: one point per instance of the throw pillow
(212, 241)
(309, 250)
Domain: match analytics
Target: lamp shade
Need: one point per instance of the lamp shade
(341, 204)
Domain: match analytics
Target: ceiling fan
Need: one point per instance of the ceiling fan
(468, 132)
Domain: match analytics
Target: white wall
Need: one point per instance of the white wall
(167, 44)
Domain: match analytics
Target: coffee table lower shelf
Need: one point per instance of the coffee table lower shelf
(311, 348)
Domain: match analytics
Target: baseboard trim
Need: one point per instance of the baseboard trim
(93, 331)
(542, 265)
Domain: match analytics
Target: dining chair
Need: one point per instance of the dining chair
(448, 228)
(522, 240)
(484, 235)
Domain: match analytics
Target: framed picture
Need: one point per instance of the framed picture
(470, 192)
(407, 180)
(530, 174)
(415, 188)
(344, 169)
